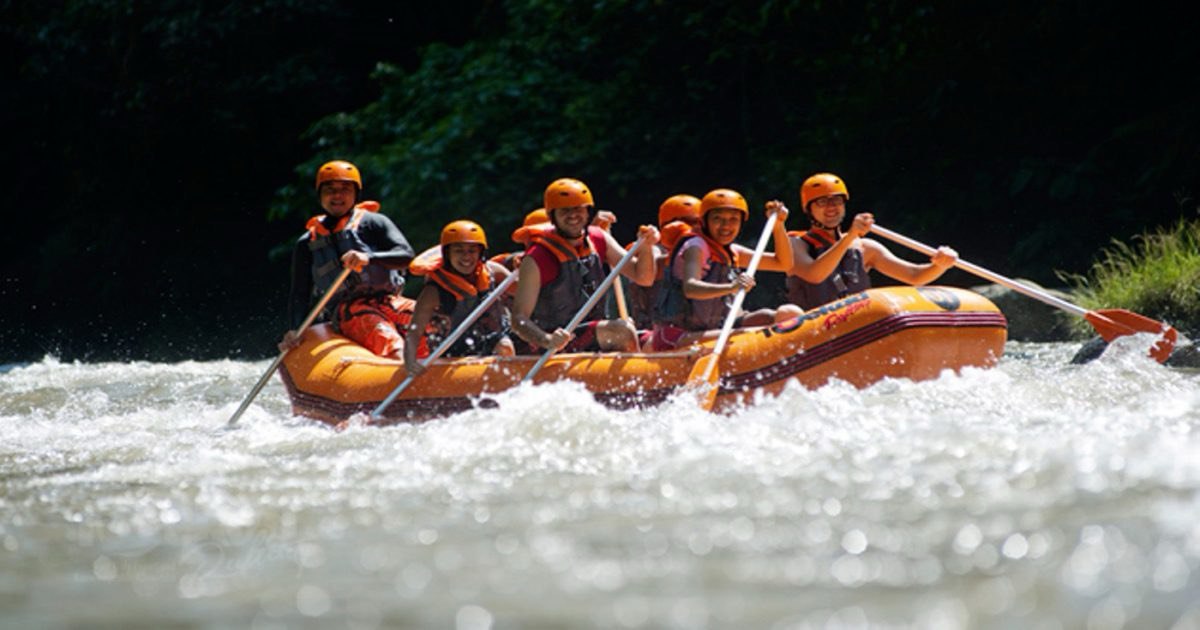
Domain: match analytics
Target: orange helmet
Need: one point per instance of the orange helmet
(523, 234)
(338, 171)
(567, 193)
(821, 185)
(678, 207)
(536, 217)
(724, 198)
(463, 231)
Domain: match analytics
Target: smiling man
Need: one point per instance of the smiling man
(563, 267)
(368, 308)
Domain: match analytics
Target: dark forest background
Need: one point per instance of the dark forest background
(159, 156)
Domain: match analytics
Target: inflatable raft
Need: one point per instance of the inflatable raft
(892, 332)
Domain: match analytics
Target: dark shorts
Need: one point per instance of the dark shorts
(584, 341)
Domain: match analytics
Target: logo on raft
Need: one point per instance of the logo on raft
(834, 314)
(943, 298)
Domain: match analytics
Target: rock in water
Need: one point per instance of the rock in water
(1029, 319)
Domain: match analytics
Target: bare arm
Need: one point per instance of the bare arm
(779, 260)
(696, 289)
(815, 271)
(643, 269)
(427, 303)
(876, 256)
(529, 287)
(499, 272)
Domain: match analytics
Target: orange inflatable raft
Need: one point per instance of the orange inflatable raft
(897, 332)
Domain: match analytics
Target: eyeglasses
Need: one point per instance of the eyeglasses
(337, 188)
(831, 200)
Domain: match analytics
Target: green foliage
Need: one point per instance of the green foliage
(938, 113)
(641, 100)
(148, 137)
(1159, 276)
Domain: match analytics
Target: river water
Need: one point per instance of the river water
(1033, 495)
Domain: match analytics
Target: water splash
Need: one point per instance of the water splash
(1036, 492)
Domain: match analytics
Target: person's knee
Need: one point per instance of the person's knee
(761, 317)
(787, 311)
(617, 334)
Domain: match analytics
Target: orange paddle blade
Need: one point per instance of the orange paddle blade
(1118, 322)
(703, 378)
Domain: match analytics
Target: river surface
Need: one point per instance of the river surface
(1033, 495)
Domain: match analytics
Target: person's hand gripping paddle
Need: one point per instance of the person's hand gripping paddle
(704, 374)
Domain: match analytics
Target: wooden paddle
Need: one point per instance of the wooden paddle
(1110, 323)
(483, 306)
(704, 374)
(588, 306)
(337, 283)
(618, 290)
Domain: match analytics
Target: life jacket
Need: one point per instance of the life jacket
(673, 307)
(850, 275)
(327, 248)
(580, 272)
(642, 300)
(670, 234)
(458, 297)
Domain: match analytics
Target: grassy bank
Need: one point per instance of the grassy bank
(1157, 276)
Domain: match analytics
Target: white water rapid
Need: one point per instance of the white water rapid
(1033, 495)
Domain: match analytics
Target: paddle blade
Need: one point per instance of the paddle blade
(1117, 322)
(703, 379)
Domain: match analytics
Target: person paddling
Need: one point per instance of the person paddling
(829, 263)
(459, 281)
(704, 272)
(677, 215)
(368, 307)
(563, 267)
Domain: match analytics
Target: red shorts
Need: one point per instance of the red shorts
(666, 337)
(377, 323)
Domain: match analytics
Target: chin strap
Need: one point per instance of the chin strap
(836, 230)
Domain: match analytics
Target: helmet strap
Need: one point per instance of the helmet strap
(837, 229)
(812, 218)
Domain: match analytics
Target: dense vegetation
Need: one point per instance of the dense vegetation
(152, 139)
(1159, 273)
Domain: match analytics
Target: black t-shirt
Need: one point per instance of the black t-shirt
(388, 247)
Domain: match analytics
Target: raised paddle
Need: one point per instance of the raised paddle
(704, 373)
(337, 283)
(1109, 322)
(587, 306)
(496, 294)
